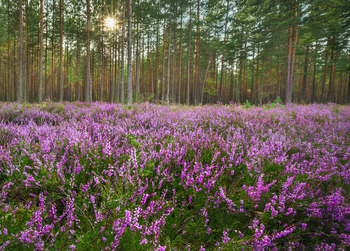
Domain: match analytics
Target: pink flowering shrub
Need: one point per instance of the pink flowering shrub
(75, 176)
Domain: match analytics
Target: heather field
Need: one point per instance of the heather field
(79, 176)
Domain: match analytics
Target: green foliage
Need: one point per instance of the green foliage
(247, 104)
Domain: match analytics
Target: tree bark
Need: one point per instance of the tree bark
(26, 63)
(324, 76)
(88, 93)
(314, 78)
(305, 75)
(174, 67)
(188, 57)
(20, 67)
(157, 67)
(61, 50)
(180, 58)
(122, 94)
(296, 29)
(262, 80)
(168, 82)
(329, 95)
(223, 51)
(40, 96)
(163, 70)
(252, 85)
(288, 87)
(138, 58)
(130, 53)
(204, 80)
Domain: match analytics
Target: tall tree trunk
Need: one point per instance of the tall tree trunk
(46, 48)
(102, 59)
(88, 92)
(204, 80)
(188, 57)
(61, 50)
(324, 77)
(240, 71)
(130, 53)
(252, 85)
(262, 79)
(180, 58)
(122, 94)
(289, 54)
(305, 75)
(329, 95)
(26, 63)
(52, 52)
(174, 67)
(78, 61)
(149, 90)
(223, 51)
(296, 29)
(278, 92)
(119, 72)
(196, 75)
(163, 70)
(348, 99)
(269, 83)
(138, 58)
(40, 96)
(168, 82)
(8, 52)
(20, 68)
(313, 98)
(157, 67)
(255, 95)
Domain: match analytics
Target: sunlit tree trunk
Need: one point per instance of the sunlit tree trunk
(130, 53)
(26, 63)
(61, 50)
(52, 52)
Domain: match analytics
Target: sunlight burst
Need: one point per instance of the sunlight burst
(110, 24)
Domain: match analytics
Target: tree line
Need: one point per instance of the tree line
(182, 51)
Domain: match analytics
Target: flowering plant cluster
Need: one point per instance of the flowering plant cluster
(77, 176)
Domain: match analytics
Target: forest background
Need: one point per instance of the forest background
(182, 51)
